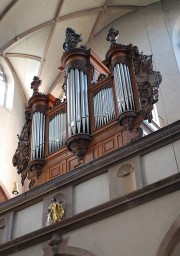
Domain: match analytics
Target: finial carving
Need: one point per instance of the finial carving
(72, 39)
(35, 85)
(112, 36)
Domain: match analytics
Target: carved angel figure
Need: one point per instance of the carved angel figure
(55, 212)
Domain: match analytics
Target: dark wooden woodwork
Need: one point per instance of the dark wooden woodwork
(83, 148)
(93, 168)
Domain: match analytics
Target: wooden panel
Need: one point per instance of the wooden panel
(109, 145)
(55, 171)
(89, 156)
(63, 167)
(72, 163)
(98, 150)
(47, 176)
(119, 140)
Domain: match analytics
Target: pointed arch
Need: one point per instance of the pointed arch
(3, 194)
(75, 251)
(171, 239)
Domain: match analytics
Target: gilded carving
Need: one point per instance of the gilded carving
(55, 212)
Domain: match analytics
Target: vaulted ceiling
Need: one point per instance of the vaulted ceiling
(32, 33)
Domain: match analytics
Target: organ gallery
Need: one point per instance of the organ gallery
(103, 108)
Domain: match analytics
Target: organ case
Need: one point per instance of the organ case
(106, 103)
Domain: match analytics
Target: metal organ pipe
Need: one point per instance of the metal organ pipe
(77, 102)
(103, 107)
(57, 132)
(38, 131)
(123, 86)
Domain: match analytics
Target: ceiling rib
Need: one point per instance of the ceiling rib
(16, 75)
(22, 55)
(126, 7)
(58, 11)
(98, 19)
(79, 13)
(8, 8)
(95, 26)
(24, 34)
(47, 23)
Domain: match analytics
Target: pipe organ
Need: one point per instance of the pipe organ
(57, 132)
(123, 88)
(77, 102)
(103, 104)
(106, 103)
(37, 133)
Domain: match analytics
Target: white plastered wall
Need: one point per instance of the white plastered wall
(137, 232)
(28, 220)
(12, 121)
(161, 163)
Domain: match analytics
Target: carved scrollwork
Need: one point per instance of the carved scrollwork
(148, 82)
(92, 69)
(22, 154)
(36, 166)
(72, 39)
(79, 64)
(61, 111)
(127, 119)
(57, 103)
(101, 77)
(119, 59)
(32, 183)
(78, 144)
(133, 53)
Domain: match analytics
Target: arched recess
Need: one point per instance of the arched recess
(3, 194)
(58, 246)
(75, 251)
(171, 240)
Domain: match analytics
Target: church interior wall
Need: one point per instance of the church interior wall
(21, 226)
(138, 231)
(117, 180)
(12, 121)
